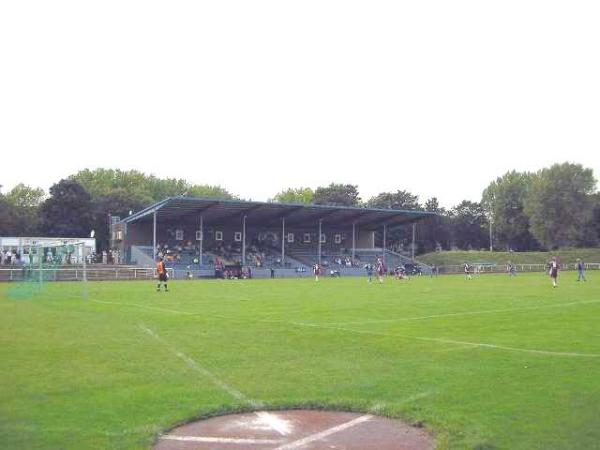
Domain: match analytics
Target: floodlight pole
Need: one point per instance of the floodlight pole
(243, 240)
(283, 241)
(491, 241)
(154, 236)
(319, 242)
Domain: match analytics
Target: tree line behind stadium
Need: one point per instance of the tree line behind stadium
(552, 208)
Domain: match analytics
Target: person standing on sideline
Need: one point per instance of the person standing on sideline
(163, 277)
(554, 271)
(468, 271)
(380, 270)
(369, 269)
(580, 270)
(510, 268)
(316, 271)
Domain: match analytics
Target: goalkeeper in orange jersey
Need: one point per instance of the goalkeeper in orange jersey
(163, 276)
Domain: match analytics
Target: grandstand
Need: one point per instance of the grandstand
(196, 234)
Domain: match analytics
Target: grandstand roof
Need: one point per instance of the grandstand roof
(224, 212)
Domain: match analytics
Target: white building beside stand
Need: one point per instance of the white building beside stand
(22, 247)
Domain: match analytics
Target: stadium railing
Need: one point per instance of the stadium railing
(501, 268)
(22, 273)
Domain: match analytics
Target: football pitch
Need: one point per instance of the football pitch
(488, 363)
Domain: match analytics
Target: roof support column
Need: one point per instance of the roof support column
(154, 252)
(319, 242)
(201, 238)
(384, 243)
(283, 241)
(353, 241)
(243, 240)
(413, 239)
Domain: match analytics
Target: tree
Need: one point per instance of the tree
(433, 205)
(559, 206)
(208, 191)
(397, 237)
(149, 188)
(68, 212)
(468, 225)
(503, 200)
(26, 201)
(596, 216)
(435, 230)
(9, 223)
(295, 195)
(337, 195)
(395, 200)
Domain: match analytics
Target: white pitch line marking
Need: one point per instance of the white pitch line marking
(514, 349)
(453, 342)
(220, 440)
(194, 366)
(323, 434)
(465, 313)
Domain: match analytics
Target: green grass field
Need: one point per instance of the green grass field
(488, 363)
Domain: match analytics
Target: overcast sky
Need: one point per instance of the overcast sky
(434, 97)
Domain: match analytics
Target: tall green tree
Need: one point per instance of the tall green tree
(397, 237)
(559, 205)
(337, 195)
(395, 200)
(469, 226)
(304, 195)
(434, 231)
(596, 216)
(9, 223)
(208, 191)
(26, 202)
(102, 182)
(503, 201)
(68, 212)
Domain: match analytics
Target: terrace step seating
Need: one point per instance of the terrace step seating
(335, 258)
(258, 255)
(181, 259)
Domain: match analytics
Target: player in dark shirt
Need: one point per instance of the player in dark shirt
(554, 271)
(580, 270)
(163, 277)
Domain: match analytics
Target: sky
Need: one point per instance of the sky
(435, 97)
